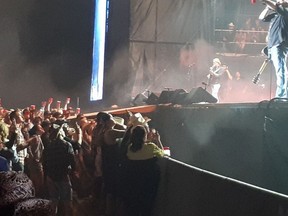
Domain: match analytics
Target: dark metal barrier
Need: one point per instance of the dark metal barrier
(186, 190)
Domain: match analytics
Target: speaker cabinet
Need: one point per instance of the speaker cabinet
(139, 100)
(165, 97)
(153, 98)
(170, 96)
(197, 95)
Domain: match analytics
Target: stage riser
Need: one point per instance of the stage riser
(230, 141)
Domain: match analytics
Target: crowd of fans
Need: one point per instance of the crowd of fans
(110, 159)
(236, 38)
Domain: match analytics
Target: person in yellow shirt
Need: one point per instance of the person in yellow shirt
(142, 149)
(142, 171)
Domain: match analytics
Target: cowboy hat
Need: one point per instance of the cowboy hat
(138, 119)
(118, 120)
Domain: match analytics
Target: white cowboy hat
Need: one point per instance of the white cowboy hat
(138, 119)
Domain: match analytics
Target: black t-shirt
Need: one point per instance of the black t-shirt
(58, 158)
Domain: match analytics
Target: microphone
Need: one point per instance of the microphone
(253, 1)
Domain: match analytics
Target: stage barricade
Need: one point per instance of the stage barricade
(186, 190)
(247, 142)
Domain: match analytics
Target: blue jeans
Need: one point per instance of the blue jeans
(278, 56)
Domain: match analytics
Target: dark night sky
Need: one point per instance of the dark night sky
(45, 50)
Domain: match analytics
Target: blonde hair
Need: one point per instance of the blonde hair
(217, 60)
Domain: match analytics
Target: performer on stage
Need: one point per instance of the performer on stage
(217, 70)
(277, 14)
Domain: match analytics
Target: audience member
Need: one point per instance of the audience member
(229, 38)
(97, 142)
(34, 160)
(239, 88)
(19, 143)
(27, 119)
(45, 136)
(142, 172)
(110, 161)
(6, 150)
(58, 162)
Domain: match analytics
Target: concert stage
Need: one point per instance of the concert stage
(244, 141)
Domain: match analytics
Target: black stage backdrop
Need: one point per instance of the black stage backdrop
(172, 44)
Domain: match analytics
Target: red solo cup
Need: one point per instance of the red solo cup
(167, 151)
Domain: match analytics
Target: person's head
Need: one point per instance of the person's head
(46, 125)
(238, 75)
(17, 116)
(103, 117)
(37, 120)
(69, 131)
(7, 118)
(138, 119)
(26, 114)
(216, 62)
(58, 115)
(231, 26)
(56, 131)
(88, 127)
(47, 114)
(81, 120)
(138, 138)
